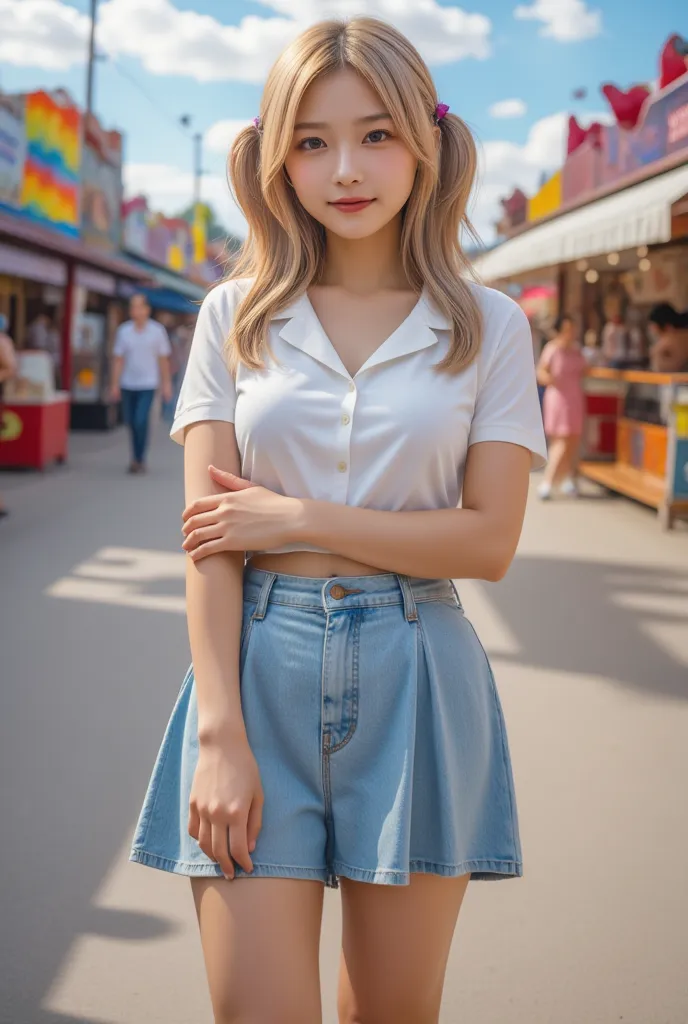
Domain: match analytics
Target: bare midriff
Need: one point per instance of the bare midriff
(312, 563)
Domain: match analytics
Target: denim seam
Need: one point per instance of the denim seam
(355, 688)
(139, 853)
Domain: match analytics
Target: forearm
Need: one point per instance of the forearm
(214, 596)
(442, 544)
(117, 367)
(165, 372)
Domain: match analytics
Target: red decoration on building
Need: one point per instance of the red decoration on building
(673, 60)
(627, 106)
(578, 135)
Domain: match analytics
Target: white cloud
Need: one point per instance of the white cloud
(221, 135)
(565, 20)
(42, 33)
(170, 41)
(505, 166)
(508, 108)
(170, 189)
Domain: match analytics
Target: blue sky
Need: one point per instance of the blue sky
(164, 62)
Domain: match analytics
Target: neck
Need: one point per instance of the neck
(140, 324)
(364, 266)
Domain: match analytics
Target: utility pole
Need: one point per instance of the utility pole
(198, 165)
(91, 58)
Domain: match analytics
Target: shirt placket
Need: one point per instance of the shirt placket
(347, 405)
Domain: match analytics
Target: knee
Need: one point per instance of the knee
(389, 1010)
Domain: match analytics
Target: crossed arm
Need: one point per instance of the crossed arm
(477, 541)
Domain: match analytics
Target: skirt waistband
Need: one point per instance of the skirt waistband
(338, 593)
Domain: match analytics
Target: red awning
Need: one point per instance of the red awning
(22, 230)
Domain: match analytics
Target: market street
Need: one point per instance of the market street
(588, 639)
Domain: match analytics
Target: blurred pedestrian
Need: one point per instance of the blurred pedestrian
(8, 368)
(561, 369)
(669, 330)
(141, 365)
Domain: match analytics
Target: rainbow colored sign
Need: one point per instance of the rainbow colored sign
(50, 190)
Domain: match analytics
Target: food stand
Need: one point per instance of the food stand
(35, 417)
(650, 463)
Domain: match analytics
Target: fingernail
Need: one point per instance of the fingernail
(229, 877)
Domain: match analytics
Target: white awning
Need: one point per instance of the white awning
(640, 215)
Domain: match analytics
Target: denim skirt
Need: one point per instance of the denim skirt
(371, 710)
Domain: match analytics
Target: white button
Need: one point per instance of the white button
(352, 386)
(346, 420)
(341, 466)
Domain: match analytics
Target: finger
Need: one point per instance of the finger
(229, 480)
(238, 844)
(255, 823)
(194, 822)
(199, 537)
(212, 547)
(206, 504)
(221, 848)
(205, 837)
(199, 520)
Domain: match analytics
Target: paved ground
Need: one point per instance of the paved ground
(589, 643)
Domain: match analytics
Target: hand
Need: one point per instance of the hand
(248, 518)
(166, 393)
(115, 393)
(226, 803)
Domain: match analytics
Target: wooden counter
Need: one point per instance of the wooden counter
(651, 464)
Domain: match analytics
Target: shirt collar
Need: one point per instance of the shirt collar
(304, 331)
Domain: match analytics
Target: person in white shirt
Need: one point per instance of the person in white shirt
(346, 392)
(141, 365)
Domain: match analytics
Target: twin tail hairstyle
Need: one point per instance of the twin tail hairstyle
(284, 249)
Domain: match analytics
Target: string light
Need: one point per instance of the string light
(591, 276)
(613, 259)
(642, 251)
(644, 265)
(582, 265)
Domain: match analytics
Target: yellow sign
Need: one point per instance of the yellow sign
(12, 426)
(547, 200)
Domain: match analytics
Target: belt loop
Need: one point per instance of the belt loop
(410, 610)
(262, 605)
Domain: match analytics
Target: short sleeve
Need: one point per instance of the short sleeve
(120, 346)
(507, 407)
(208, 391)
(164, 347)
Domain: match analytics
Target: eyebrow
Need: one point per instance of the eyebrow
(383, 115)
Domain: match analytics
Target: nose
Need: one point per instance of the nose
(346, 171)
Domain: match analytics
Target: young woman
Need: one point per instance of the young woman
(561, 369)
(340, 722)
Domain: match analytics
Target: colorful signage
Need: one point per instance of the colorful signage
(12, 150)
(548, 200)
(661, 132)
(101, 187)
(50, 188)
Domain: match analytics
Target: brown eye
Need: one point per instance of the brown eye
(311, 144)
(378, 135)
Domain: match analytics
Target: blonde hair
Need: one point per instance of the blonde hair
(285, 247)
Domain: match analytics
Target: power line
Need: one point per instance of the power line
(175, 121)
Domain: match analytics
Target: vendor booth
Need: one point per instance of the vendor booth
(650, 460)
(35, 417)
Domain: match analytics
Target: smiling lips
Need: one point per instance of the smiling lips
(352, 205)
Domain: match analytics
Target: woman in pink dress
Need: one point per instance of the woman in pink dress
(561, 369)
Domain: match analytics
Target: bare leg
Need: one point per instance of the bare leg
(557, 460)
(395, 946)
(261, 939)
(573, 444)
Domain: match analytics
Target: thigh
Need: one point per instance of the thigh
(395, 945)
(260, 939)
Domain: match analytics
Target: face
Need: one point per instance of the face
(138, 308)
(347, 163)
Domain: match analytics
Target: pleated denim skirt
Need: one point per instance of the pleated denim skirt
(372, 712)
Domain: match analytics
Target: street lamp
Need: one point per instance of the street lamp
(91, 58)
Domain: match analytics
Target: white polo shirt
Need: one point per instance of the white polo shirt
(394, 436)
(141, 350)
